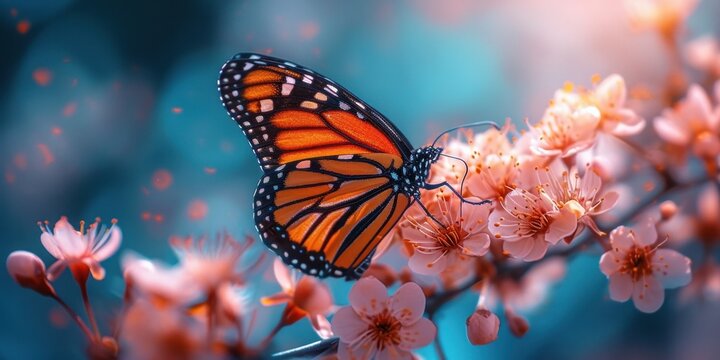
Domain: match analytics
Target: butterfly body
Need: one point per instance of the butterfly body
(337, 175)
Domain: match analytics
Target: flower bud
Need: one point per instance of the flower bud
(29, 271)
(668, 209)
(482, 327)
(518, 325)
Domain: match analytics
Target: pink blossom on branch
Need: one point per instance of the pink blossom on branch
(461, 234)
(528, 224)
(637, 268)
(376, 326)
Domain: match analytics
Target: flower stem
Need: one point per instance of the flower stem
(89, 310)
(76, 317)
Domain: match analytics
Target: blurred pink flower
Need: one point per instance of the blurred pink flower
(482, 327)
(80, 250)
(305, 296)
(703, 53)
(209, 263)
(532, 290)
(692, 123)
(578, 194)
(637, 268)
(156, 281)
(609, 97)
(528, 224)
(565, 129)
(664, 16)
(28, 271)
(376, 326)
(152, 332)
(456, 239)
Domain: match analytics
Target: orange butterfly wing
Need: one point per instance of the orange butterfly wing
(326, 215)
(291, 113)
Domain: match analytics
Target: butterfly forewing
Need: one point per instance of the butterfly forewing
(290, 113)
(326, 215)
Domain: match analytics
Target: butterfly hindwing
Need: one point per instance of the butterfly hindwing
(290, 113)
(326, 215)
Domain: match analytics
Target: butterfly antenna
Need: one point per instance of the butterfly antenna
(462, 181)
(475, 124)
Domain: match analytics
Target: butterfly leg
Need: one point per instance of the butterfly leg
(419, 201)
(446, 184)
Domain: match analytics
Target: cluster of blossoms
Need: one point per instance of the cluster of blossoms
(552, 195)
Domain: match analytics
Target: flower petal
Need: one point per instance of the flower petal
(417, 335)
(670, 130)
(621, 287)
(427, 264)
(476, 245)
(607, 202)
(97, 271)
(368, 296)
(109, 247)
(563, 225)
(671, 268)
(50, 244)
(609, 263)
(621, 239)
(347, 325)
(648, 294)
(538, 251)
(283, 275)
(393, 353)
(645, 233)
(519, 249)
(408, 303)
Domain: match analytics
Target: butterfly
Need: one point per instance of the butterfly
(337, 175)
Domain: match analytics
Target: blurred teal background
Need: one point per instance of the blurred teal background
(102, 100)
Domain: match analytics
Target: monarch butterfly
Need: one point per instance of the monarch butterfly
(338, 175)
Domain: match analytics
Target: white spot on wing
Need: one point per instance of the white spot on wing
(266, 105)
(309, 105)
(286, 89)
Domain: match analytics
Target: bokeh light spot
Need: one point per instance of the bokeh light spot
(197, 210)
(42, 76)
(162, 179)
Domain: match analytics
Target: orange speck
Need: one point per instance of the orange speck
(48, 157)
(162, 179)
(568, 86)
(69, 109)
(159, 218)
(56, 130)
(145, 215)
(20, 160)
(177, 110)
(58, 318)
(309, 30)
(197, 210)
(267, 51)
(210, 170)
(42, 76)
(23, 26)
(649, 186)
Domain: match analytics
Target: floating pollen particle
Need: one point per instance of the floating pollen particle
(162, 179)
(197, 210)
(42, 76)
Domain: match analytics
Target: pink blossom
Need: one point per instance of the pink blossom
(692, 123)
(482, 327)
(565, 129)
(637, 268)
(609, 97)
(29, 271)
(704, 54)
(532, 290)
(461, 233)
(581, 195)
(528, 224)
(664, 16)
(80, 250)
(305, 296)
(376, 326)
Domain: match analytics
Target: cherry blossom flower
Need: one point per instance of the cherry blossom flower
(579, 194)
(305, 296)
(609, 97)
(28, 271)
(664, 16)
(565, 130)
(638, 268)
(376, 326)
(81, 251)
(156, 281)
(210, 263)
(482, 327)
(692, 123)
(531, 290)
(528, 224)
(704, 54)
(461, 233)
